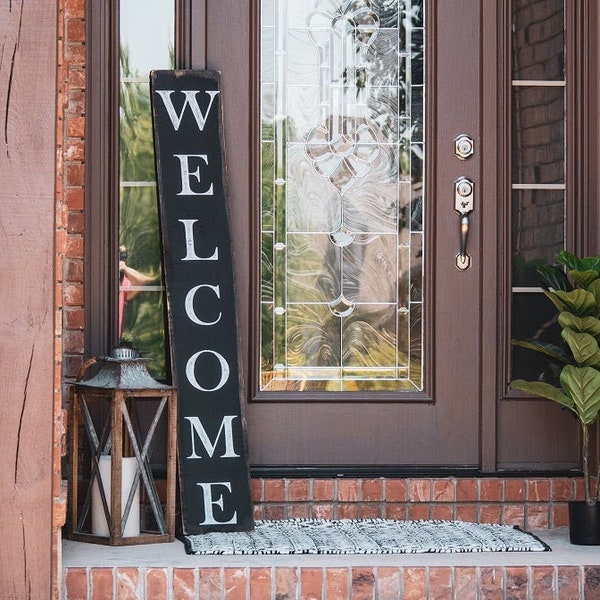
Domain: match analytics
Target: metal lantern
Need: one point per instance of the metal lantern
(120, 409)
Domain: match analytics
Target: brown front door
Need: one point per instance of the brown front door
(366, 118)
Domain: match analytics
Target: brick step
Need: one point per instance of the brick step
(164, 571)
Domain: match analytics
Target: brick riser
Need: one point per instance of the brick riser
(533, 503)
(340, 583)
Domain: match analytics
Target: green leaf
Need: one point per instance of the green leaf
(594, 288)
(554, 277)
(582, 385)
(583, 346)
(589, 324)
(544, 390)
(569, 259)
(584, 278)
(579, 302)
(550, 350)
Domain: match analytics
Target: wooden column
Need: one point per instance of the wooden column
(27, 224)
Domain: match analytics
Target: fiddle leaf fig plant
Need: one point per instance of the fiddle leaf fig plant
(576, 296)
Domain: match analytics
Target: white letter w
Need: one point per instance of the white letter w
(190, 99)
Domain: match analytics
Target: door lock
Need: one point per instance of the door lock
(464, 146)
(464, 203)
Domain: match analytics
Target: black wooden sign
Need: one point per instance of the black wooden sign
(213, 467)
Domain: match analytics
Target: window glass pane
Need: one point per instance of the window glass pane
(538, 40)
(538, 143)
(342, 137)
(538, 223)
(146, 42)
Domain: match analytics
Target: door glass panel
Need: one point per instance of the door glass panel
(146, 42)
(538, 172)
(342, 201)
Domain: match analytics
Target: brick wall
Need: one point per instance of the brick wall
(70, 158)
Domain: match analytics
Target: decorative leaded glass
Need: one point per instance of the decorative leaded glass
(342, 175)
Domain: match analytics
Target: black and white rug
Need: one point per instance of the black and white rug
(367, 536)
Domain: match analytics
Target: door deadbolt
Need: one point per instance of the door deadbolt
(464, 146)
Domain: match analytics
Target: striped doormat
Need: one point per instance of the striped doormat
(365, 536)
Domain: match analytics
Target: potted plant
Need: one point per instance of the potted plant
(576, 296)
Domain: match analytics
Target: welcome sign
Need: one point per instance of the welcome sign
(198, 270)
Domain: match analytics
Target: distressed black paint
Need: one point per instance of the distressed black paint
(214, 476)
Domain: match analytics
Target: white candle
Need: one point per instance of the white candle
(99, 524)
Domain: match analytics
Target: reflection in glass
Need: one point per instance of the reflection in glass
(538, 40)
(342, 92)
(146, 42)
(538, 149)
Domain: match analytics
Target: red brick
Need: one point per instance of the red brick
(234, 582)
(490, 490)
(275, 512)
(323, 490)
(542, 583)
(419, 490)
(489, 513)
(491, 583)
(396, 490)
(286, 583)
(74, 8)
(156, 584)
(591, 582)
(538, 490)
(322, 511)
(128, 583)
(275, 490)
(414, 583)
(75, 222)
(75, 30)
(372, 490)
(562, 489)
(258, 512)
(513, 514)
(102, 583)
(298, 511)
(74, 247)
(372, 510)
(466, 490)
(348, 490)
(363, 583)
(184, 584)
(74, 175)
(580, 489)
(559, 515)
(444, 512)
(298, 490)
(443, 490)
(465, 583)
(260, 583)
(337, 584)
(347, 511)
(387, 583)
(74, 198)
(418, 511)
(466, 512)
(395, 511)
(514, 490)
(74, 318)
(257, 487)
(210, 583)
(76, 584)
(311, 584)
(440, 583)
(516, 583)
(568, 584)
(537, 516)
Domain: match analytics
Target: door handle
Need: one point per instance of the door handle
(464, 203)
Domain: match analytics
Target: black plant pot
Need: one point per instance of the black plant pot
(584, 523)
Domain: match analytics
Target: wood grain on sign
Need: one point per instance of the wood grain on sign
(213, 466)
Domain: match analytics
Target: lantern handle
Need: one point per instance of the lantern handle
(85, 366)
